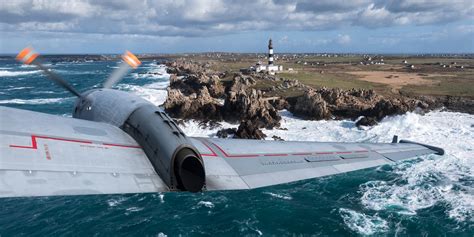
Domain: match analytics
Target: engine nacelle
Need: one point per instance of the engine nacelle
(170, 152)
(173, 156)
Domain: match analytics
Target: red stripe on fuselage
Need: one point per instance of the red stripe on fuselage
(34, 143)
(210, 149)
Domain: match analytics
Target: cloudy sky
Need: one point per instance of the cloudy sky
(168, 26)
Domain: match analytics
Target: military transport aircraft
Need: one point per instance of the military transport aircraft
(117, 142)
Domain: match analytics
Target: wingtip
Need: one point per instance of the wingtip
(438, 150)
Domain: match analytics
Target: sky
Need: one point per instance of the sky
(180, 26)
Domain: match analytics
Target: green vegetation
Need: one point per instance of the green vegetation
(335, 72)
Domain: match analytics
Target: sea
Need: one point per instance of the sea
(425, 196)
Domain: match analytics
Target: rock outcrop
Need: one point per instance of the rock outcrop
(200, 105)
(240, 105)
(311, 105)
(197, 92)
(339, 104)
(249, 130)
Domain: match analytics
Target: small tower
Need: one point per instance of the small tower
(270, 53)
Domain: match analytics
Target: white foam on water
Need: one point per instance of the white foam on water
(115, 202)
(421, 183)
(154, 92)
(206, 204)
(134, 209)
(18, 88)
(155, 72)
(6, 73)
(33, 101)
(362, 223)
(280, 196)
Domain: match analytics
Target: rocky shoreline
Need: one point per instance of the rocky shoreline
(197, 92)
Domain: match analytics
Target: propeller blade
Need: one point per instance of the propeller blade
(29, 56)
(129, 61)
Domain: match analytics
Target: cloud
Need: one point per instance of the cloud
(220, 17)
(343, 39)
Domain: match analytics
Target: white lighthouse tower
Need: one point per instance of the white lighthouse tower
(271, 68)
(270, 53)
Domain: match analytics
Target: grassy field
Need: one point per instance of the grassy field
(339, 72)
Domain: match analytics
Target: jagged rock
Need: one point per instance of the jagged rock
(290, 83)
(241, 82)
(459, 104)
(325, 103)
(194, 106)
(249, 130)
(277, 138)
(311, 106)
(240, 106)
(386, 107)
(209, 124)
(366, 121)
(226, 132)
(193, 83)
(280, 104)
(183, 68)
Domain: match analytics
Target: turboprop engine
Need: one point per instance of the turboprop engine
(169, 150)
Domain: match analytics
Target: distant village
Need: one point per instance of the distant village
(268, 63)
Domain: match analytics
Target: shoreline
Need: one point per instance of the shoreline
(202, 94)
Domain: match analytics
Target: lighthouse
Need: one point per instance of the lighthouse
(271, 68)
(270, 53)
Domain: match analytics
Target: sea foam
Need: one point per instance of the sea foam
(419, 184)
(6, 73)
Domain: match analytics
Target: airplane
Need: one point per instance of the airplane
(117, 143)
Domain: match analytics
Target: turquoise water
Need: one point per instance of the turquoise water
(352, 204)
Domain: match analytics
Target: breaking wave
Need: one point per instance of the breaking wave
(5, 73)
(419, 184)
(362, 223)
(33, 101)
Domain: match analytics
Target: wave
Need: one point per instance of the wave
(154, 92)
(19, 88)
(362, 223)
(33, 101)
(5, 73)
(280, 196)
(419, 183)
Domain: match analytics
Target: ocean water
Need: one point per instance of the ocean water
(425, 196)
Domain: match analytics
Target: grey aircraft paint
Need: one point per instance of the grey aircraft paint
(120, 143)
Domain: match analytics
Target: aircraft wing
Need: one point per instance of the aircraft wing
(45, 155)
(246, 164)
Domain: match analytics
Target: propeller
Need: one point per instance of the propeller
(29, 56)
(129, 61)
